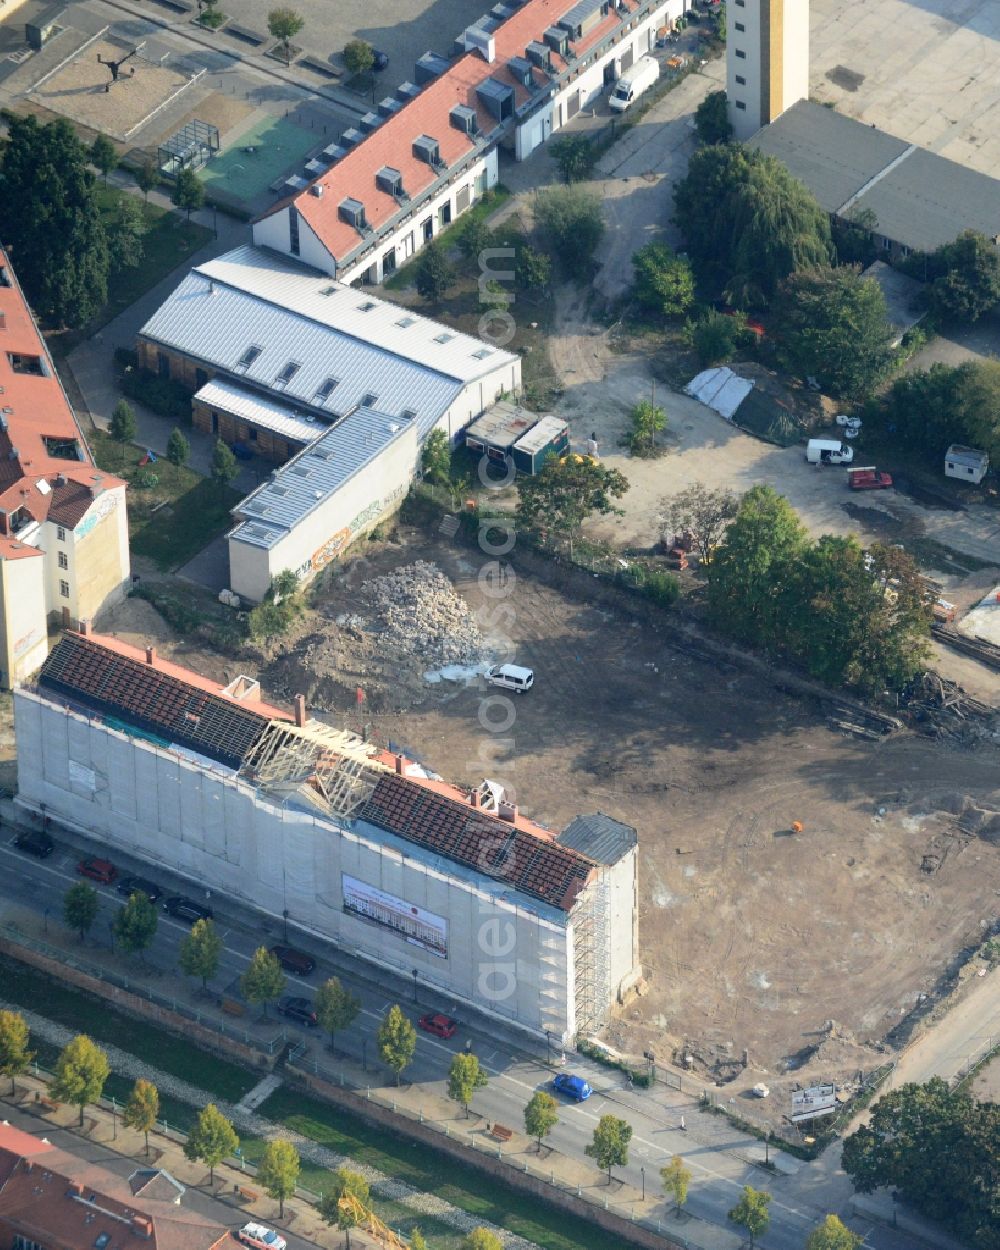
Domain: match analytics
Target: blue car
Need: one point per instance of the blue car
(572, 1086)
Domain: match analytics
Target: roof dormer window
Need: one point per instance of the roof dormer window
(248, 358)
(287, 373)
(353, 213)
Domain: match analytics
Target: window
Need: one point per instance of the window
(741, 106)
(740, 27)
(200, 378)
(63, 560)
(326, 389)
(741, 54)
(741, 80)
(253, 433)
(287, 373)
(64, 589)
(404, 323)
(293, 230)
(443, 338)
(163, 364)
(248, 357)
(61, 533)
(367, 306)
(369, 399)
(21, 363)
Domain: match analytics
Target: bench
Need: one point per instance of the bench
(501, 1132)
(230, 1007)
(47, 1104)
(251, 1195)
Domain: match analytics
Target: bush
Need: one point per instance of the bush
(714, 336)
(663, 588)
(164, 396)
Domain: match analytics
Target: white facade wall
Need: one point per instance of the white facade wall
(342, 517)
(774, 64)
(23, 627)
(505, 955)
(274, 232)
(623, 902)
(745, 110)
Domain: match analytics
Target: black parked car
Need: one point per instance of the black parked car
(297, 962)
(298, 1009)
(185, 909)
(35, 843)
(381, 60)
(139, 885)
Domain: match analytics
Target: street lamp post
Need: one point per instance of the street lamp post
(416, 973)
(284, 921)
(114, 1120)
(767, 1144)
(642, 1170)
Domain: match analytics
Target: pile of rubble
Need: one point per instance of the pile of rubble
(420, 614)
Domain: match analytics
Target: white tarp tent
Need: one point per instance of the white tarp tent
(720, 389)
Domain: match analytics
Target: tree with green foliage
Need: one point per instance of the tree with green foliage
(609, 1148)
(188, 194)
(751, 1212)
(127, 228)
(435, 458)
(51, 220)
(15, 1057)
(263, 982)
(353, 1187)
(474, 236)
(833, 324)
(80, 908)
(716, 335)
(575, 155)
(359, 57)
(938, 1147)
(703, 511)
(81, 1070)
(123, 425)
(135, 924)
(571, 220)
(465, 1076)
(337, 1007)
(417, 1240)
(147, 178)
(647, 420)
(284, 25)
(211, 1140)
(397, 1041)
(762, 542)
(200, 951)
(142, 1109)
(278, 1171)
(565, 493)
(540, 1116)
(748, 223)
(833, 1234)
(178, 448)
(928, 410)
(434, 275)
(964, 278)
(482, 1239)
(711, 119)
(664, 282)
(103, 156)
(676, 1178)
(532, 269)
(224, 466)
(854, 237)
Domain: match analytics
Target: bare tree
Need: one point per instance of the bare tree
(704, 511)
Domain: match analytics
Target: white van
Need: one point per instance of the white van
(510, 677)
(828, 451)
(636, 79)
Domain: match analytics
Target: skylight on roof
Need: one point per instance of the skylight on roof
(248, 357)
(369, 399)
(328, 290)
(443, 338)
(405, 322)
(326, 389)
(482, 353)
(367, 306)
(287, 373)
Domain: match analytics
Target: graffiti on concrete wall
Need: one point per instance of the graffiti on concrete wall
(336, 543)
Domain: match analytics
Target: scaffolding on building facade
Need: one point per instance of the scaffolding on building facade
(592, 956)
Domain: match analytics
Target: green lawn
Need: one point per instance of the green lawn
(171, 521)
(169, 242)
(33, 990)
(463, 1186)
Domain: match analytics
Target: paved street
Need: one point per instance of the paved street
(722, 1158)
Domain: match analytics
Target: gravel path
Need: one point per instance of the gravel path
(383, 1186)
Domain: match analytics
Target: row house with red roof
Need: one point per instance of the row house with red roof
(422, 158)
(339, 840)
(64, 550)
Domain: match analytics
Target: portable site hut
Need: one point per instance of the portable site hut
(549, 437)
(966, 463)
(498, 429)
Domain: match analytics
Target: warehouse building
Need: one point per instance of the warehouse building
(353, 845)
(418, 161)
(64, 552)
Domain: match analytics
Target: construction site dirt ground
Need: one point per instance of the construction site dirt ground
(751, 936)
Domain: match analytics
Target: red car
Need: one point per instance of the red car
(868, 479)
(102, 870)
(441, 1026)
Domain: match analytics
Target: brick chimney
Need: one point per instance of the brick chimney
(85, 628)
(300, 710)
(142, 1225)
(474, 798)
(150, 655)
(400, 761)
(508, 812)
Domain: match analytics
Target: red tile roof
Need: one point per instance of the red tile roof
(428, 114)
(33, 408)
(163, 698)
(62, 1202)
(478, 840)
